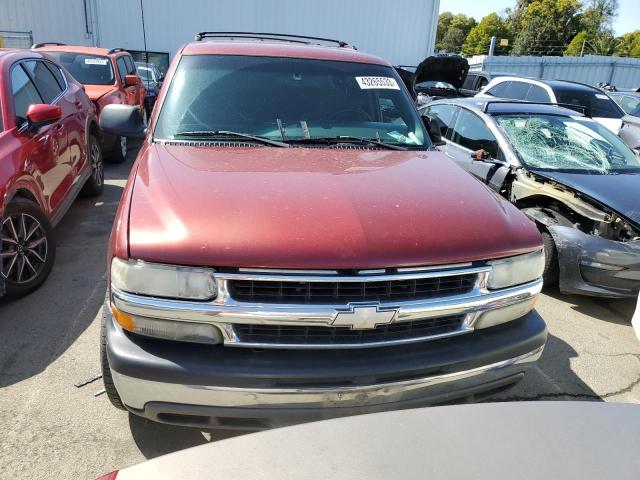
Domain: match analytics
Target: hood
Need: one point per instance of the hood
(452, 69)
(620, 193)
(94, 92)
(316, 208)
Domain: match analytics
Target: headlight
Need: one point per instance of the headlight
(508, 272)
(157, 280)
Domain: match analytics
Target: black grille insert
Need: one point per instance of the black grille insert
(293, 292)
(310, 335)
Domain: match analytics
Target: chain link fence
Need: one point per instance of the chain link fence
(15, 39)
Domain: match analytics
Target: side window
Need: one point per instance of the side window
(445, 114)
(499, 90)
(469, 81)
(46, 83)
(517, 90)
(122, 68)
(472, 133)
(131, 67)
(538, 94)
(24, 93)
(58, 74)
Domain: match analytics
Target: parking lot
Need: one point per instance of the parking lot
(50, 343)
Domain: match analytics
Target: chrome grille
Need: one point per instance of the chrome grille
(304, 292)
(314, 335)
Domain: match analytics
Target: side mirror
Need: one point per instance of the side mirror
(41, 114)
(434, 128)
(122, 120)
(480, 155)
(131, 80)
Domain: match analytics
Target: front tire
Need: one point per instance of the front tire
(551, 266)
(107, 379)
(95, 183)
(28, 247)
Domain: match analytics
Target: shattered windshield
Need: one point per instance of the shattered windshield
(290, 100)
(569, 144)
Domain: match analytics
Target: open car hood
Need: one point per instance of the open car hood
(443, 68)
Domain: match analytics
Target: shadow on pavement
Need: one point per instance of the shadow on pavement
(552, 378)
(155, 439)
(614, 310)
(36, 329)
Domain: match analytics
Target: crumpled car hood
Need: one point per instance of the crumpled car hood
(620, 193)
(443, 68)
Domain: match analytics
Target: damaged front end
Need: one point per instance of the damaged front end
(598, 250)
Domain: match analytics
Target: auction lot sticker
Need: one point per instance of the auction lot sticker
(96, 61)
(366, 83)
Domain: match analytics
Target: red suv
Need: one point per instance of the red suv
(291, 246)
(49, 152)
(109, 76)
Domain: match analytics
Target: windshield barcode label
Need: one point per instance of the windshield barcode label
(377, 82)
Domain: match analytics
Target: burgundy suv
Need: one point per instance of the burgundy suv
(291, 246)
(49, 152)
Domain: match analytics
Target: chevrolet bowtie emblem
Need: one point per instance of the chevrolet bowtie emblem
(364, 317)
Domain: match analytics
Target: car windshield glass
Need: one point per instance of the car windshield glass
(290, 99)
(567, 144)
(145, 74)
(435, 84)
(87, 69)
(598, 104)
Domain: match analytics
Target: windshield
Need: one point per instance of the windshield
(435, 84)
(290, 99)
(598, 104)
(567, 144)
(629, 103)
(87, 69)
(145, 74)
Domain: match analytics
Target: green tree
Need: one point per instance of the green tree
(603, 43)
(546, 27)
(479, 38)
(598, 16)
(628, 45)
(453, 28)
(578, 45)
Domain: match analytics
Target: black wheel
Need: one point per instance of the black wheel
(95, 183)
(28, 247)
(551, 266)
(107, 379)
(119, 152)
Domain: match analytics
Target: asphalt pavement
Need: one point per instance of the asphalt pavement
(49, 343)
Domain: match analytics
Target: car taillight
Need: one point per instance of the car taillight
(109, 476)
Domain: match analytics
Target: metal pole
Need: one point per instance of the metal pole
(492, 46)
(144, 34)
(582, 49)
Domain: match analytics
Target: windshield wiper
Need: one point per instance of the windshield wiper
(348, 139)
(227, 133)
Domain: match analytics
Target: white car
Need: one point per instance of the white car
(597, 104)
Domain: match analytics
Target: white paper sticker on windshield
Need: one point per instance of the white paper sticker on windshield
(95, 61)
(602, 96)
(377, 82)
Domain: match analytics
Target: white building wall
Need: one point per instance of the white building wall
(402, 31)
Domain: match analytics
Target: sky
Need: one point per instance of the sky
(627, 20)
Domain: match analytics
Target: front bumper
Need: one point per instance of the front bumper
(591, 265)
(221, 387)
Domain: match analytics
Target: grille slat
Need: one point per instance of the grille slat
(310, 335)
(294, 292)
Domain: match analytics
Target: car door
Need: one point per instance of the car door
(469, 134)
(62, 176)
(41, 152)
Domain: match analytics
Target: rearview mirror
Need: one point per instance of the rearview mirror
(122, 120)
(480, 155)
(41, 114)
(131, 80)
(434, 128)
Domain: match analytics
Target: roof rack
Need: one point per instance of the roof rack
(115, 50)
(570, 106)
(270, 36)
(43, 44)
